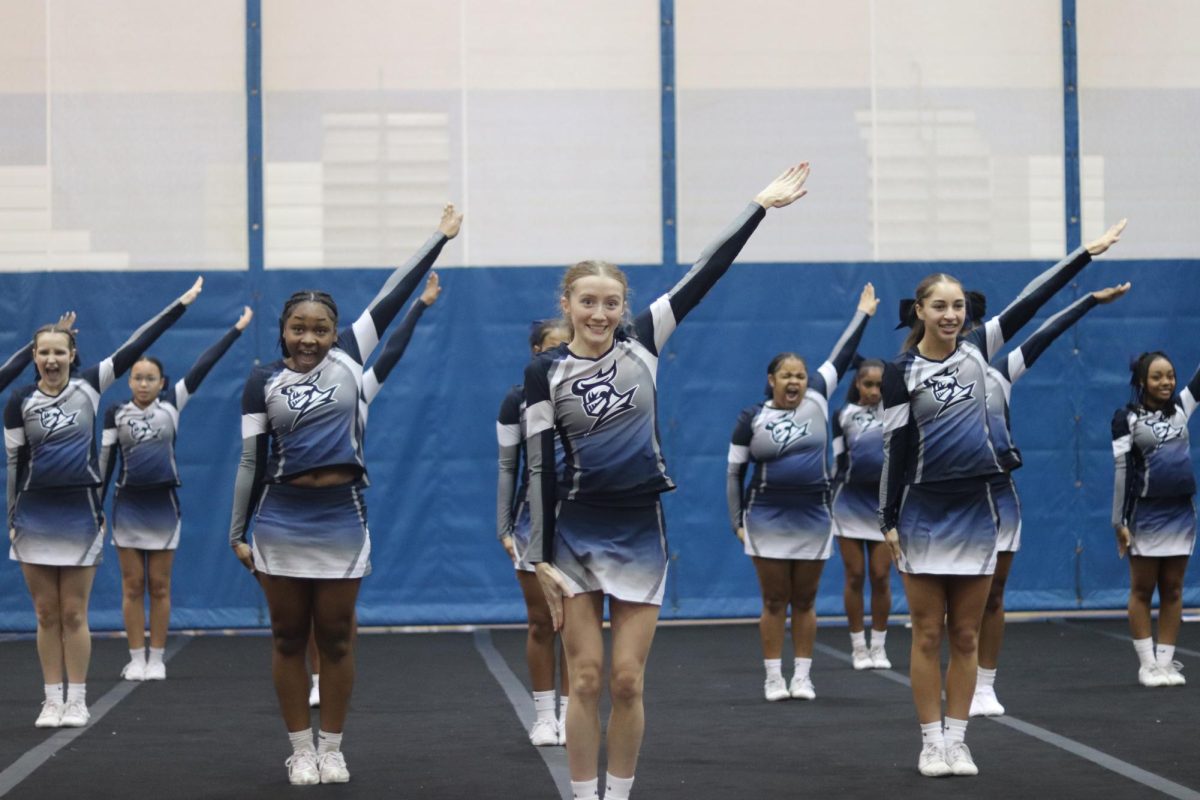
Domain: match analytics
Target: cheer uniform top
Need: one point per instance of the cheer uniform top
(938, 451)
(858, 453)
(54, 478)
(600, 522)
(1152, 494)
(145, 513)
(297, 422)
(786, 512)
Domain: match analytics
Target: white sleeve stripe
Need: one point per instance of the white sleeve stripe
(253, 425)
(895, 417)
(508, 435)
(1122, 445)
(994, 336)
(738, 454)
(182, 395)
(829, 373)
(538, 417)
(1016, 365)
(109, 437)
(839, 446)
(664, 321)
(370, 385)
(107, 375)
(1187, 401)
(14, 438)
(365, 335)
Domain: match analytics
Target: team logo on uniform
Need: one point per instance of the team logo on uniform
(948, 391)
(1164, 431)
(141, 430)
(784, 431)
(305, 398)
(866, 419)
(55, 419)
(600, 399)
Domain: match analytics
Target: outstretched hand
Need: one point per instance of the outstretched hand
(451, 221)
(189, 297)
(786, 189)
(1110, 237)
(244, 319)
(433, 288)
(1112, 293)
(554, 586)
(867, 301)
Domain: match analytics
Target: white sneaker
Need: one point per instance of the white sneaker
(75, 714)
(302, 768)
(155, 671)
(802, 688)
(862, 658)
(314, 696)
(544, 732)
(51, 716)
(985, 704)
(1153, 676)
(562, 731)
(879, 658)
(960, 761)
(333, 768)
(932, 762)
(134, 671)
(1171, 671)
(774, 688)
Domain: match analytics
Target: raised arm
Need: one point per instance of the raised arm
(187, 386)
(252, 468)
(840, 359)
(656, 324)
(735, 471)
(397, 343)
(110, 448)
(361, 338)
(1001, 328)
(1190, 394)
(1020, 359)
(508, 437)
(103, 374)
(1124, 492)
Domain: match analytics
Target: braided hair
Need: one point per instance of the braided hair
(306, 296)
(1139, 371)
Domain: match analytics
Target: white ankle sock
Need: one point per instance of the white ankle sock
(328, 742)
(931, 733)
(301, 741)
(156, 655)
(585, 790)
(802, 667)
(878, 639)
(617, 788)
(1166, 654)
(563, 702)
(543, 704)
(858, 640)
(76, 691)
(774, 667)
(316, 680)
(138, 656)
(1145, 651)
(956, 731)
(985, 679)
(54, 691)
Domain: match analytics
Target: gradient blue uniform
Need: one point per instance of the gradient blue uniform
(858, 452)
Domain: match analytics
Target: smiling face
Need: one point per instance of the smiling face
(869, 383)
(145, 381)
(1159, 386)
(53, 353)
(309, 333)
(943, 310)
(788, 382)
(594, 304)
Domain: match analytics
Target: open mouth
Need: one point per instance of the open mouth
(792, 394)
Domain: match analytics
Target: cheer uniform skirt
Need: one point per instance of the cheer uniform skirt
(618, 550)
(58, 527)
(856, 511)
(790, 525)
(302, 532)
(520, 537)
(146, 519)
(1163, 526)
(948, 528)
(1008, 512)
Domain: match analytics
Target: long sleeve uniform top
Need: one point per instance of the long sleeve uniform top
(603, 411)
(50, 439)
(12, 368)
(935, 418)
(787, 446)
(297, 422)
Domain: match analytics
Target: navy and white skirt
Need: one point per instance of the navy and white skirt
(58, 527)
(948, 528)
(520, 537)
(1008, 513)
(790, 525)
(856, 511)
(618, 550)
(1163, 526)
(302, 532)
(146, 519)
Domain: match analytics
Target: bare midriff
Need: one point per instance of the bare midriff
(323, 477)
